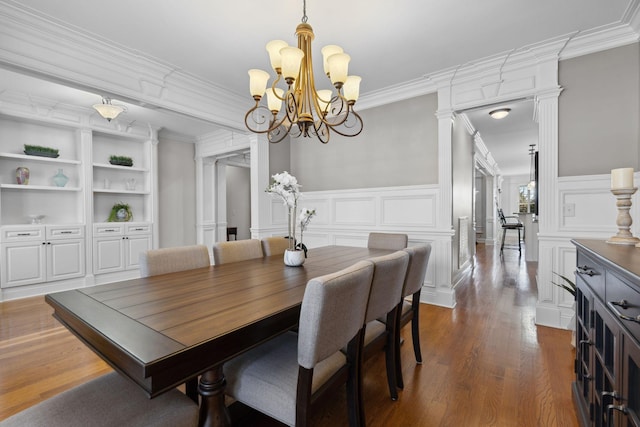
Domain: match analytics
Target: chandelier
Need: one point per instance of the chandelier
(108, 110)
(307, 112)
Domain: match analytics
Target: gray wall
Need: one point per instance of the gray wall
(599, 112)
(398, 146)
(176, 194)
(239, 200)
(279, 157)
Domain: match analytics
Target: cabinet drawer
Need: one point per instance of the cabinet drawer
(65, 232)
(592, 273)
(624, 301)
(22, 233)
(138, 229)
(108, 229)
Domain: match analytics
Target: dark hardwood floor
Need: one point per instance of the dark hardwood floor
(486, 363)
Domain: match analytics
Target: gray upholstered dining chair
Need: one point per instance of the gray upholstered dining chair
(170, 260)
(283, 377)
(106, 401)
(395, 241)
(274, 245)
(386, 290)
(236, 250)
(410, 311)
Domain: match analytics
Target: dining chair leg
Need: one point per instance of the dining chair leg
(390, 354)
(415, 327)
(355, 400)
(398, 359)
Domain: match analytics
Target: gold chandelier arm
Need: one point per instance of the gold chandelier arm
(322, 131)
(258, 119)
(353, 121)
(273, 87)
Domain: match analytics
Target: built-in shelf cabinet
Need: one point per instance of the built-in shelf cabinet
(51, 234)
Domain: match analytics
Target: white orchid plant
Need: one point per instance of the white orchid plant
(304, 219)
(286, 186)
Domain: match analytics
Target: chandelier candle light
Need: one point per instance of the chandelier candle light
(307, 112)
(622, 187)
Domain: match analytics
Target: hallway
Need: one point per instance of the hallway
(486, 363)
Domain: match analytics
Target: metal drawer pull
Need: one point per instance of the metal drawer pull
(614, 395)
(610, 410)
(624, 304)
(585, 269)
(66, 232)
(138, 229)
(110, 230)
(24, 234)
(583, 342)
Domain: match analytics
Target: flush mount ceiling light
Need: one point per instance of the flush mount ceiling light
(108, 110)
(307, 112)
(500, 113)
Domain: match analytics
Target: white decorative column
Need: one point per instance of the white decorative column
(442, 250)
(548, 311)
(154, 202)
(260, 201)
(220, 170)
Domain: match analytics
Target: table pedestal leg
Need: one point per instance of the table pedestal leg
(213, 412)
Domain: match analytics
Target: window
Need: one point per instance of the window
(527, 199)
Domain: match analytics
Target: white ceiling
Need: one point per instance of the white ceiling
(390, 42)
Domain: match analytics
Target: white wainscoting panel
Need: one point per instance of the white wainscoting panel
(586, 209)
(346, 217)
(354, 211)
(409, 210)
(592, 207)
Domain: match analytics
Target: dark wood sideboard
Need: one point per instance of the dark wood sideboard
(607, 387)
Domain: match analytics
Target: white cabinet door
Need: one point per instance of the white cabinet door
(135, 246)
(23, 263)
(65, 259)
(108, 254)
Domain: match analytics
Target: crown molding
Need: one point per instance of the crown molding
(47, 49)
(38, 45)
(494, 67)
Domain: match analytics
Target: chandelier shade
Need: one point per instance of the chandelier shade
(307, 112)
(107, 110)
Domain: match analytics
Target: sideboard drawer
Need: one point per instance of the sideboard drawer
(624, 301)
(592, 273)
(22, 233)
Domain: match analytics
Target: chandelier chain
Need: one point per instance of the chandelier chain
(304, 11)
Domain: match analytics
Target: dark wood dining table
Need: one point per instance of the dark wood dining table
(163, 330)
